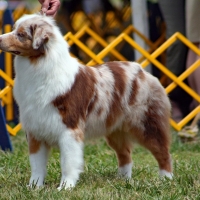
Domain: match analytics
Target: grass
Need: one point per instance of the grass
(99, 180)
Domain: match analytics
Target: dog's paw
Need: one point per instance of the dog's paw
(164, 173)
(36, 182)
(34, 186)
(66, 184)
(125, 171)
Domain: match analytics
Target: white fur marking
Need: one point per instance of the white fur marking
(165, 173)
(38, 162)
(71, 160)
(126, 170)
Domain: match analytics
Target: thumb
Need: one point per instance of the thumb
(45, 6)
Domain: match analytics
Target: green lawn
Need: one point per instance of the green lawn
(99, 180)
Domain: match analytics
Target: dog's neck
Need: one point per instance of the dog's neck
(56, 62)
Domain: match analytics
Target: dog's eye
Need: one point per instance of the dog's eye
(20, 34)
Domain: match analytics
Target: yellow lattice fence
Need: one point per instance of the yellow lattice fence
(148, 56)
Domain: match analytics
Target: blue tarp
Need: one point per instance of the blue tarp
(5, 143)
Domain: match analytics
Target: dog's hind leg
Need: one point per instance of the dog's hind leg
(162, 155)
(71, 150)
(157, 141)
(122, 145)
(38, 155)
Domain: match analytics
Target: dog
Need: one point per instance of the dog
(62, 103)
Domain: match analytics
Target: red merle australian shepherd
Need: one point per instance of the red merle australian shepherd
(62, 103)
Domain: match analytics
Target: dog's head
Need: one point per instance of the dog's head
(29, 37)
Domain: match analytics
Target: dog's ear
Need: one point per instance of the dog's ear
(40, 36)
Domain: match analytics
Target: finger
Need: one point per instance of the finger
(53, 9)
(45, 6)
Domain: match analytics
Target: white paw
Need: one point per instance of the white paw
(66, 184)
(34, 186)
(36, 182)
(165, 173)
(125, 170)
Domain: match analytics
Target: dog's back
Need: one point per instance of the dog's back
(123, 94)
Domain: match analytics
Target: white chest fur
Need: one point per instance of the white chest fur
(34, 90)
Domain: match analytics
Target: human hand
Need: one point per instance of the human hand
(50, 7)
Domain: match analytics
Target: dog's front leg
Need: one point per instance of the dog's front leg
(71, 157)
(38, 155)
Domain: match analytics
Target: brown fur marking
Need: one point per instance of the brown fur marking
(153, 129)
(135, 87)
(76, 103)
(34, 59)
(124, 157)
(156, 135)
(79, 135)
(119, 76)
(99, 111)
(34, 145)
(126, 63)
(141, 74)
(122, 145)
(119, 89)
(133, 95)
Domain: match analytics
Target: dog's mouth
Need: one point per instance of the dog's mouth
(15, 52)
